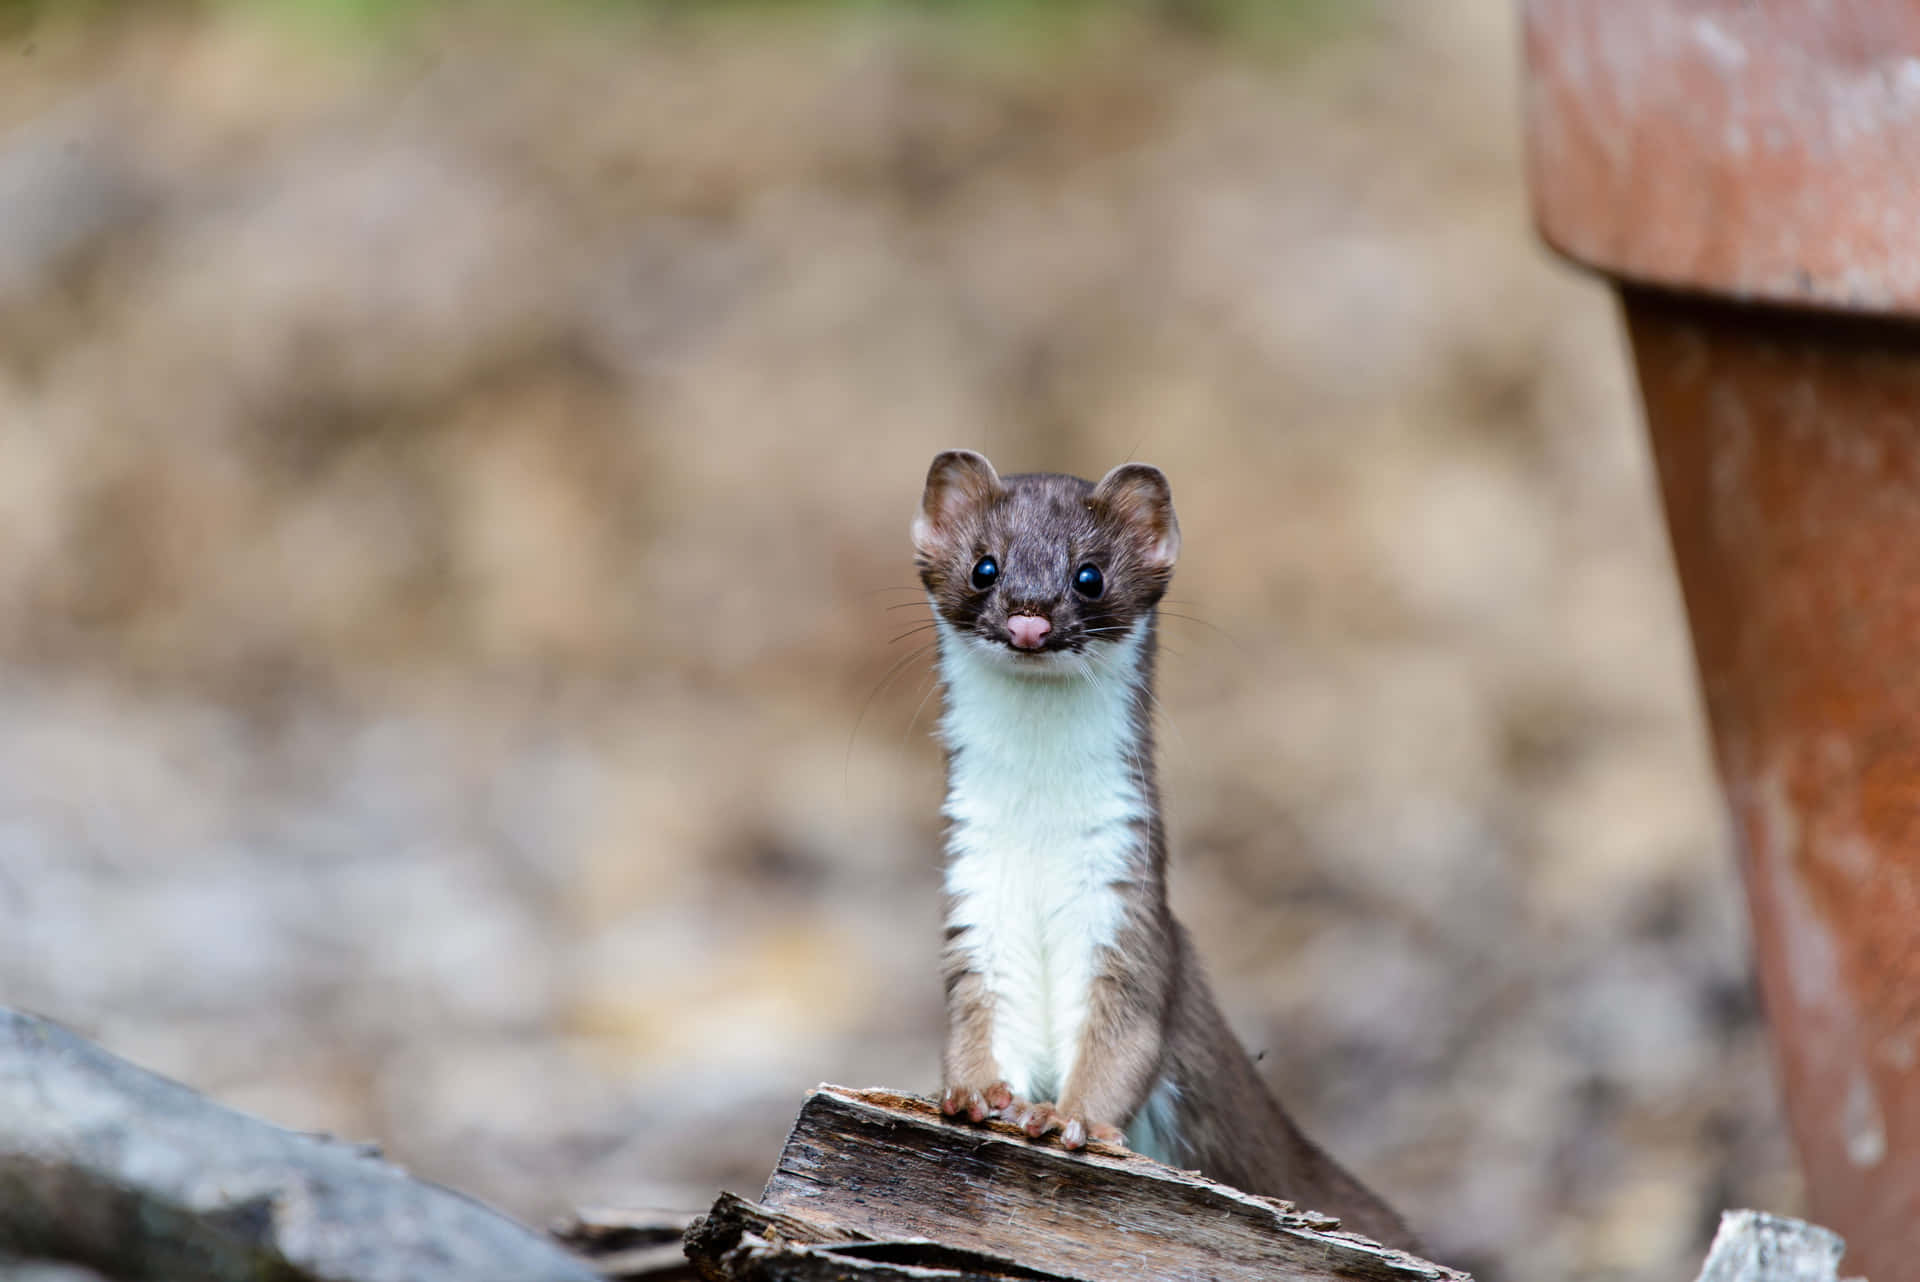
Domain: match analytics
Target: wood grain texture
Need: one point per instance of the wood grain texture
(627, 1245)
(888, 1166)
(739, 1241)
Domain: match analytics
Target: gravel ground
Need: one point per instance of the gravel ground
(454, 488)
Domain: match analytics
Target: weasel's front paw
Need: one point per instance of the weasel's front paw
(1045, 1118)
(976, 1103)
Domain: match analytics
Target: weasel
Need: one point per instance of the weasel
(1075, 1003)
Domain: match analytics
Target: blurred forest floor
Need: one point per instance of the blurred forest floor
(454, 477)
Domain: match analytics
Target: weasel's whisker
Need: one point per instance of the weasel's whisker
(933, 681)
(1159, 710)
(899, 665)
(1245, 653)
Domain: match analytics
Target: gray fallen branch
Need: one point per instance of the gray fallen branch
(106, 1165)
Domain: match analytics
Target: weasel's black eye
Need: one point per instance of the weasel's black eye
(985, 571)
(1088, 583)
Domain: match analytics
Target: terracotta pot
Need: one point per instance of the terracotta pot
(1749, 176)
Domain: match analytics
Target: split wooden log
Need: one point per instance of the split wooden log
(107, 1165)
(741, 1242)
(875, 1184)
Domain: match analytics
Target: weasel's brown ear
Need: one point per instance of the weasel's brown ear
(1138, 497)
(958, 482)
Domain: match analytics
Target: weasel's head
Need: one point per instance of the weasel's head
(1030, 569)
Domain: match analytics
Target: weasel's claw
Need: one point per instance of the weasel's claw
(1038, 1119)
(1043, 1119)
(976, 1103)
(1035, 1119)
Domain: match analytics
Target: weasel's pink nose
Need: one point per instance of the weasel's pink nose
(1029, 631)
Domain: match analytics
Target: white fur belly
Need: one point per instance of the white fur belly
(1046, 818)
(1036, 925)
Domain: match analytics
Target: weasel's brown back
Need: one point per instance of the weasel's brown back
(1237, 1132)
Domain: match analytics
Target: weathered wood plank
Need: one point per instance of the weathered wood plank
(889, 1166)
(628, 1245)
(734, 1217)
(739, 1241)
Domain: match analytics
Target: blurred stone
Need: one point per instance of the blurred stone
(1753, 1246)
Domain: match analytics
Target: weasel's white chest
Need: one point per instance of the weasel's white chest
(1046, 819)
